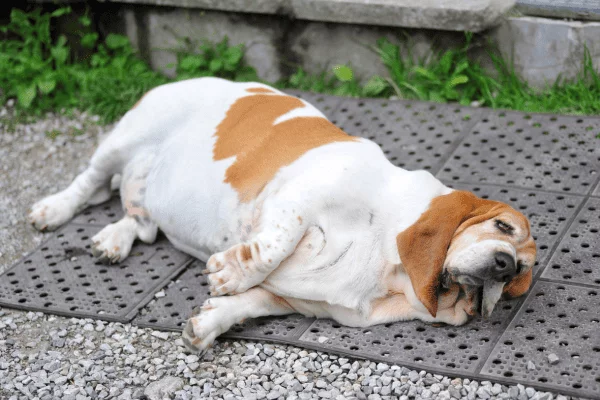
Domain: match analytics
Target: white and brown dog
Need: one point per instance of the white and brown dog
(291, 214)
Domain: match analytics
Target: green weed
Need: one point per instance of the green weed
(218, 59)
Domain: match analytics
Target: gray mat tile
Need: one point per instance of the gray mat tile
(62, 277)
(577, 258)
(548, 213)
(101, 214)
(557, 153)
(597, 191)
(557, 319)
(413, 135)
(190, 289)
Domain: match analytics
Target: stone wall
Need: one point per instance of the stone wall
(281, 35)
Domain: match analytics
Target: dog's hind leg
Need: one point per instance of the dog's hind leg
(113, 243)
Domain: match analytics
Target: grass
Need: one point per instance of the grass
(44, 74)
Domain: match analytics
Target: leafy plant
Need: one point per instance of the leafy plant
(32, 66)
(218, 59)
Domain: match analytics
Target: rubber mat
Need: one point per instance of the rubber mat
(537, 151)
(577, 258)
(554, 341)
(62, 276)
(546, 166)
(412, 135)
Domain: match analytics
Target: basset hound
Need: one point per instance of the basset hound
(291, 214)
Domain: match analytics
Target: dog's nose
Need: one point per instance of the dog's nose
(505, 268)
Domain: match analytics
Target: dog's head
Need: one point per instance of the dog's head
(482, 245)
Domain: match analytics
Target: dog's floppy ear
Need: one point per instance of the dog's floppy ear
(423, 246)
(518, 286)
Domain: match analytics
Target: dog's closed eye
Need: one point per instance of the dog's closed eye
(504, 227)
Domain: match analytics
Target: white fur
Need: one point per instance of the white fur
(351, 200)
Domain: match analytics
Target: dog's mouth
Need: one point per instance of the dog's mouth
(483, 295)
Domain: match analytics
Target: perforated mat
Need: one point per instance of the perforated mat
(412, 135)
(577, 258)
(545, 166)
(536, 151)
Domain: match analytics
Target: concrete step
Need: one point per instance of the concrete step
(573, 9)
(452, 15)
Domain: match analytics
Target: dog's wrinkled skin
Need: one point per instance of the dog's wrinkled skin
(293, 215)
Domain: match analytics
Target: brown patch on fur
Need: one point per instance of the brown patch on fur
(300, 219)
(259, 90)
(423, 246)
(261, 147)
(245, 253)
(519, 285)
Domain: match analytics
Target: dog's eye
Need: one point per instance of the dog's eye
(504, 227)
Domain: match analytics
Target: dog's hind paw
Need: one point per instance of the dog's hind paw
(50, 213)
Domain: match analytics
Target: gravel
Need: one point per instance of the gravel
(50, 357)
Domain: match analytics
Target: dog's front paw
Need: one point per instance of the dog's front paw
(233, 271)
(224, 276)
(50, 213)
(205, 325)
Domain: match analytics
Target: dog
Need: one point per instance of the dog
(291, 214)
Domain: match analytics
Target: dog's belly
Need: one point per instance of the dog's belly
(187, 198)
(200, 215)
